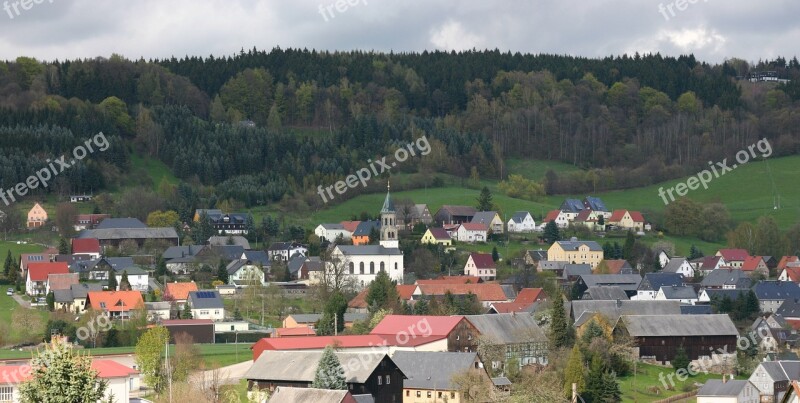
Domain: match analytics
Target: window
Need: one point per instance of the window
(452, 395)
(408, 393)
(352, 268)
(440, 395)
(419, 394)
(388, 379)
(380, 380)
(371, 267)
(361, 268)
(6, 394)
(383, 268)
(429, 394)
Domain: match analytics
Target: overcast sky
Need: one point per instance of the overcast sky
(713, 30)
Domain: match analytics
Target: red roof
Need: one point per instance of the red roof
(316, 343)
(584, 216)
(484, 291)
(294, 331)
(85, 245)
(472, 226)
(615, 265)
(751, 263)
(439, 233)
(115, 301)
(40, 271)
(14, 374)
(350, 226)
(509, 307)
(530, 295)
(482, 260)
(112, 369)
(734, 255)
(786, 260)
(411, 325)
(452, 280)
(62, 281)
(710, 262)
(180, 291)
(617, 215)
(551, 215)
(636, 216)
(793, 273)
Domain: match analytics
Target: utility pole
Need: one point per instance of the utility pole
(335, 324)
(169, 372)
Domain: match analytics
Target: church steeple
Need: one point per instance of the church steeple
(389, 221)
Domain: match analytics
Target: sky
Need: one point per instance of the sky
(712, 30)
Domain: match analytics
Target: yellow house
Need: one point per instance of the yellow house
(37, 216)
(576, 252)
(431, 375)
(626, 219)
(438, 236)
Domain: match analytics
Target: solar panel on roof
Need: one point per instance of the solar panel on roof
(205, 294)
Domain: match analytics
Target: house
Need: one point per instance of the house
(627, 220)
(790, 274)
(486, 294)
(245, 272)
(86, 246)
(596, 204)
(728, 391)
(88, 221)
(559, 217)
(115, 236)
(726, 279)
(793, 394)
(351, 343)
(158, 311)
(448, 333)
(429, 376)
(680, 266)
(186, 259)
(201, 330)
(571, 207)
(287, 394)
(755, 265)
(771, 294)
(365, 372)
(570, 272)
(98, 269)
(652, 283)
(283, 251)
(37, 216)
(605, 293)
(179, 292)
(310, 320)
(359, 303)
(411, 215)
(785, 261)
(708, 295)
(436, 236)
(364, 261)
(628, 282)
(206, 304)
(533, 257)
(331, 232)
(120, 223)
(589, 219)
(584, 311)
(225, 224)
(707, 264)
(73, 300)
(734, 257)
(60, 282)
(454, 214)
(366, 228)
(520, 337)
(683, 293)
(659, 337)
(79, 198)
(587, 252)
(36, 281)
(115, 304)
(481, 265)
(526, 301)
(138, 278)
(618, 266)
(219, 240)
(521, 222)
(471, 232)
(490, 219)
(531, 295)
(773, 378)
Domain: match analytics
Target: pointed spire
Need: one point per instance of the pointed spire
(388, 205)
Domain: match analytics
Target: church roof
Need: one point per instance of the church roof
(388, 204)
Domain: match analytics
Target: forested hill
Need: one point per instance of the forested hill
(628, 121)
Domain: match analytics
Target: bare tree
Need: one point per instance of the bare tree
(65, 219)
(337, 274)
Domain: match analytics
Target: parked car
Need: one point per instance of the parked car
(10, 291)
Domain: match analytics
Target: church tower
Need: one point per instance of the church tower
(389, 222)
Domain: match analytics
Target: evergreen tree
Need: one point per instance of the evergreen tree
(421, 307)
(611, 391)
(382, 293)
(287, 274)
(495, 255)
(592, 330)
(560, 334)
(8, 264)
(124, 284)
(161, 268)
(573, 373)
(657, 265)
(222, 272)
(695, 253)
(601, 220)
(485, 200)
(187, 312)
(608, 250)
(618, 251)
(330, 374)
(551, 232)
(681, 360)
(627, 250)
(51, 301)
(594, 380)
(63, 247)
(59, 374)
(112, 279)
(333, 314)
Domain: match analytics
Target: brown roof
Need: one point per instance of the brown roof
(793, 273)
(509, 307)
(62, 281)
(584, 216)
(530, 295)
(615, 265)
(469, 226)
(452, 280)
(440, 233)
(552, 215)
(751, 263)
(484, 292)
(636, 216)
(460, 210)
(180, 291)
(482, 260)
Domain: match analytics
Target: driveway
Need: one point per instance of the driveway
(23, 300)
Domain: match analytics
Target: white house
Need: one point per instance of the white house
(480, 265)
(231, 326)
(471, 232)
(206, 304)
(728, 391)
(158, 310)
(138, 278)
(285, 250)
(679, 265)
(521, 222)
(330, 232)
(683, 293)
(244, 272)
(561, 219)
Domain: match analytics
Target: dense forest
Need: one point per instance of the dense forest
(262, 127)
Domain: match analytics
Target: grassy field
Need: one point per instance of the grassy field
(155, 169)
(17, 249)
(7, 306)
(640, 388)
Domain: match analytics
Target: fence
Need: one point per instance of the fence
(677, 397)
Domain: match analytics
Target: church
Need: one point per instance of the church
(365, 261)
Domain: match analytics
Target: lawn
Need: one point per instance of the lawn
(17, 249)
(640, 388)
(153, 168)
(7, 306)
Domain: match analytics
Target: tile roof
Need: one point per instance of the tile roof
(679, 325)
(785, 260)
(552, 215)
(433, 370)
(180, 291)
(350, 226)
(291, 394)
(368, 250)
(718, 388)
(484, 217)
(732, 255)
(484, 292)
(654, 281)
(471, 226)
(459, 210)
(530, 295)
(85, 245)
(320, 342)
(439, 233)
(617, 215)
(294, 331)
(605, 293)
(62, 281)
(115, 301)
(615, 266)
(129, 233)
(519, 216)
(482, 260)
(614, 309)
(107, 369)
(39, 271)
(776, 290)
(679, 292)
(509, 307)
(312, 318)
(636, 216)
(751, 263)
(723, 277)
(220, 240)
(508, 328)
(674, 265)
(392, 325)
(452, 280)
(574, 245)
(709, 262)
(793, 273)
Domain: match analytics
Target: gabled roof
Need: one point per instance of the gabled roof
(368, 250)
(776, 290)
(115, 223)
(585, 216)
(594, 203)
(751, 263)
(484, 217)
(484, 292)
(350, 226)
(365, 228)
(439, 234)
(789, 309)
(433, 370)
(703, 309)
(520, 216)
(574, 245)
(720, 293)
(85, 245)
(793, 273)
(723, 277)
(678, 325)
(537, 255)
(107, 369)
(465, 211)
(785, 260)
(320, 342)
(614, 309)
(509, 307)
(530, 295)
(654, 281)
(605, 293)
(674, 265)
(294, 331)
(451, 280)
(572, 270)
(471, 226)
(311, 318)
(709, 262)
(62, 281)
(394, 324)
(679, 292)
(115, 301)
(225, 239)
(636, 216)
(129, 233)
(482, 260)
(180, 291)
(301, 366)
(205, 299)
(628, 282)
(39, 271)
(616, 266)
(617, 215)
(290, 394)
(508, 328)
(572, 205)
(732, 255)
(718, 388)
(552, 215)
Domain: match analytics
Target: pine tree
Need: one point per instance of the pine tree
(681, 360)
(485, 200)
(695, 253)
(161, 268)
(592, 330)
(421, 307)
(594, 380)
(495, 254)
(330, 374)
(551, 232)
(222, 272)
(187, 312)
(63, 248)
(382, 293)
(611, 391)
(124, 284)
(287, 274)
(51, 301)
(112, 279)
(627, 250)
(9, 263)
(573, 373)
(59, 374)
(560, 330)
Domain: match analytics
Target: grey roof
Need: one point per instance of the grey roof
(789, 309)
(388, 204)
(581, 269)
(223, 240)
(679, 292)
(63, 295)
(594, 203)
(574, 245)
(654, 281)
(332, 226)
(696, 310)
(117, 223)
(715, 387)
(537, 255)
(432, 370)
(257, 256)
(365, 228)
(501, 381)
(205, 299)
(207, 211)
(117, 263)
(723, 277)
(228, 252)
(484, 217)
(507, 328)
(313, 317)
(782, 370)
(82, 290)
(519, 216)
(679, 325)
(131, 270)
(776, 290)
(572, 206)
(551, 264)
(614, 309)
(360, 250)
(296, 263)
(301, 366)
(285, 394)
(628, 282)
(605, 293)
(365, 398)
(130, 233)
(509, 290)
(157, 306)
(674, 264)
(174, 252)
